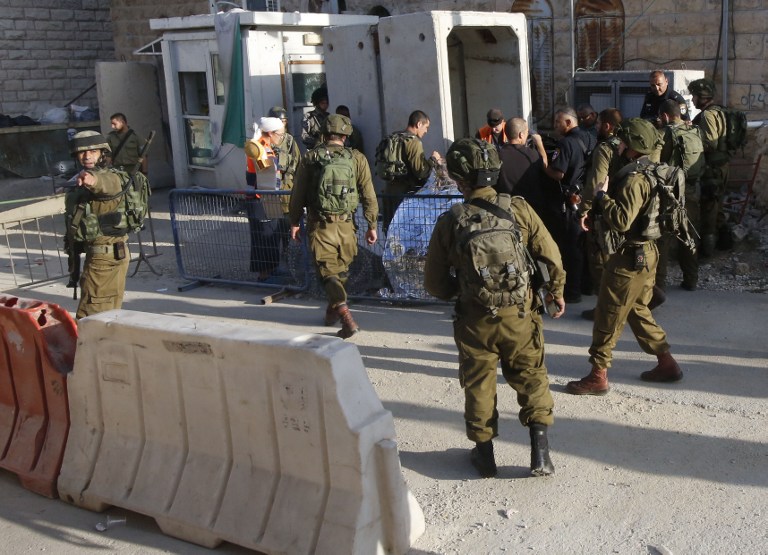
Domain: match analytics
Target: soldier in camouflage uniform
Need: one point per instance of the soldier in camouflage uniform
(333, 237)
(314, 121)
(711, 123)
(682, 148)
(629, 274)
(93, 221)
(605, 163)
(513, 334)
(417, 165)
(125, 144)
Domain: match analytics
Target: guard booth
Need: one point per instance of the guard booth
(454, 66)
(282, 63)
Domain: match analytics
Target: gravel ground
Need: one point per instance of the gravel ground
(671, 469)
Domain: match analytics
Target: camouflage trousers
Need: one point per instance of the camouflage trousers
(483, 340)
(102, 282)
(334, 247)
(623, 298)
(712, 191)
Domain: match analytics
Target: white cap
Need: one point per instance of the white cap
(270, 124)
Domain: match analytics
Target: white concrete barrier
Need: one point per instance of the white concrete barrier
(263, 438)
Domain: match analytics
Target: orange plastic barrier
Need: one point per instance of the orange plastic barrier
(37, 351)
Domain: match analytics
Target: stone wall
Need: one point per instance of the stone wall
(667, 34)
(130, 20)
(48, 49)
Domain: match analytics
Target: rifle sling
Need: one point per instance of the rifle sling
(121, 144)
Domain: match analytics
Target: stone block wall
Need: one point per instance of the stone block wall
(666, 34)
(130, 21)
(48, 50)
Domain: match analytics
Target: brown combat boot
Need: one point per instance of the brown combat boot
(596, 383)
(666, 370)
(348, 326)
(331, 315)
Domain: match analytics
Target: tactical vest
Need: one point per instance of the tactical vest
(335, 192)
(89, 216)
(494, 268)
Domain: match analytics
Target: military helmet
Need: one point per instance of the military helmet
(639, 135)
(338, 125)
(88, 140)
(278, 112)
(702, 87)
(473, 161)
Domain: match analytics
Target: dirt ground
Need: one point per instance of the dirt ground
(671, 469)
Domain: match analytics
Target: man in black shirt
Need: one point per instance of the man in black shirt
(660, 92)
(567, 168)
(522, 167)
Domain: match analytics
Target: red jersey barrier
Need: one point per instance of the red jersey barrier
(37, 351)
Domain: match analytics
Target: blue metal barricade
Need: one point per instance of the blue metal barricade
(242, 238)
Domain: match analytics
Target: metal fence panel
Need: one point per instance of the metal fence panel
(32, 243)
(236, 237)
(242, 238)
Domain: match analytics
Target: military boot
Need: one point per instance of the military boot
(348, 326)
(541, 464)
(331, 315)
(596, 383)
(588, 314)
(658, 298)
(666, 370)
(483, 460)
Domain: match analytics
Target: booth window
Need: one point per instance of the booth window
(195, 107)
(304, 84)
(218, 82)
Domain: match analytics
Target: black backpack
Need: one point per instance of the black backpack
(666, 213)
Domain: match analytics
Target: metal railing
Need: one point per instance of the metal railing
(32, 243)
(240, 237)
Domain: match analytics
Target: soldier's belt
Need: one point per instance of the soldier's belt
(335, 218)
(634, 244)
(103, 249)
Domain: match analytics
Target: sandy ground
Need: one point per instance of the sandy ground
(679, 468)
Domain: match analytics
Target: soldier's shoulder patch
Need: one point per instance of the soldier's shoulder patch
(555, 154)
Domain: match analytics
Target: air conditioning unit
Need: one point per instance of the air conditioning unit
(262, 5)
(626, 90)
(249, 5)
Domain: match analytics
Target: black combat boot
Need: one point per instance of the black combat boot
(541, 464)
(348, 325)
(658, 298)
(482, 459)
